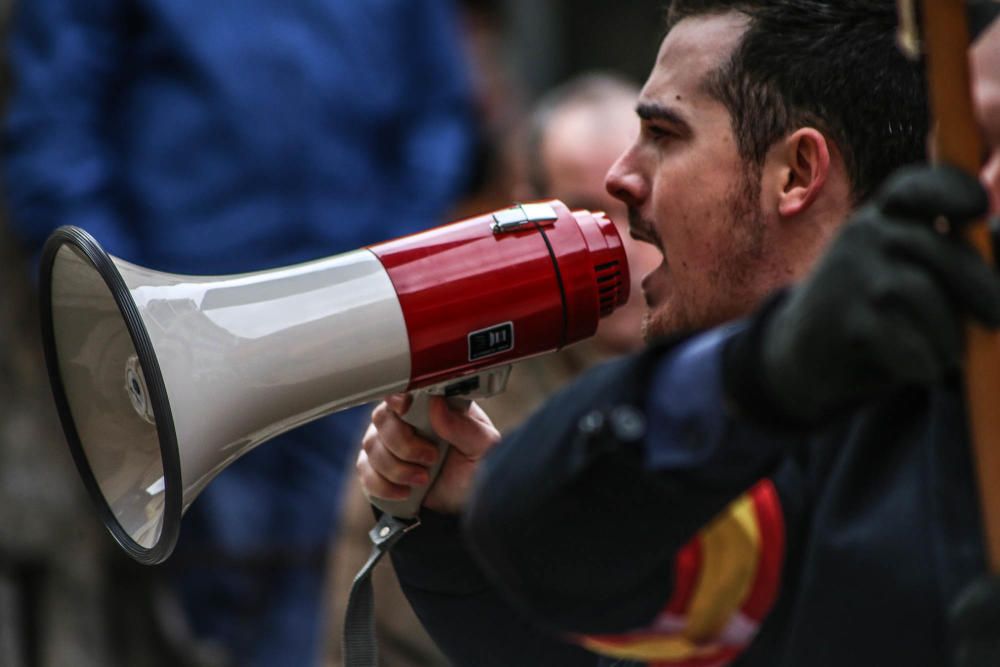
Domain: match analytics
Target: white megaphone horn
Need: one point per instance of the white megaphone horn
(162, 380)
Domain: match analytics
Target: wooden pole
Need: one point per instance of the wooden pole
(958, 142)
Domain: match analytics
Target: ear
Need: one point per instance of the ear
(804, 162)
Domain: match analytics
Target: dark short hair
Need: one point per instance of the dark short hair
(829, 64)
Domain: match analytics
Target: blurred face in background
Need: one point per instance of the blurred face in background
(986, 96)
(579, 144)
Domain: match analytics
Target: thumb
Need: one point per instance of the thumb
(399, 403)
(471, 432)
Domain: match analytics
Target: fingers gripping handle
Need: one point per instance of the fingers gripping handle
(459, 394)
(418, 416)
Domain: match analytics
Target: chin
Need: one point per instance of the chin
(671, 319)
(654, 326)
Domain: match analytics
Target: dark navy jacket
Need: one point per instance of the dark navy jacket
(636, 498)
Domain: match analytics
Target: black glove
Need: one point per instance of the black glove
(885, 306)
(975, 624)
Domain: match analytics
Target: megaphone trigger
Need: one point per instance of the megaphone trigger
(459, 395)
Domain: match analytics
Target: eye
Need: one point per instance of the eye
(659, 132)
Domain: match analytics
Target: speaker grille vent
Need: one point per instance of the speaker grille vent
(609, 284)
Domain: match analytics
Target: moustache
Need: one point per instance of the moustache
(635, 220)
(643, 227)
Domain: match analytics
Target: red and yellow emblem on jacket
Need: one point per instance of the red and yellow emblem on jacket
(726, 581)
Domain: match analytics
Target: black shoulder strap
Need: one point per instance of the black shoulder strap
(360, 648)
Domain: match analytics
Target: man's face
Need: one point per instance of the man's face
(688, 191)
(986, 89)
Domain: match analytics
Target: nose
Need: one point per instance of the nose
(626, 181)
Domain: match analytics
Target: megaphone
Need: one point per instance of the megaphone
(163, 380)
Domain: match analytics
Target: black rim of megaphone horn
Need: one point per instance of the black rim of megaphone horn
(169, 456)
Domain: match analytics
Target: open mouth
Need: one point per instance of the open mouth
(650, 283)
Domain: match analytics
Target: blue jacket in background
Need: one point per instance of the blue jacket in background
(229, 136)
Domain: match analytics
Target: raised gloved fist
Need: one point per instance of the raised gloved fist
(885, 306)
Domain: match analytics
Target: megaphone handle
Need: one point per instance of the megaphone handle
(418, 416)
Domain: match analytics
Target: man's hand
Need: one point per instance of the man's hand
(885, 307)
(394, 458)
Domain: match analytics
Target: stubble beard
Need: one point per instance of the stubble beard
(732, 275)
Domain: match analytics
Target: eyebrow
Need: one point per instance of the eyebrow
(654, 111)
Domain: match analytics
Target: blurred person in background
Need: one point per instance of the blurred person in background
(213, 138)
(67, 595)
(573, 135)
(569, 141)
(56, 592)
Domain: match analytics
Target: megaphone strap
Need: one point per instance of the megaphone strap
(360, 649)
